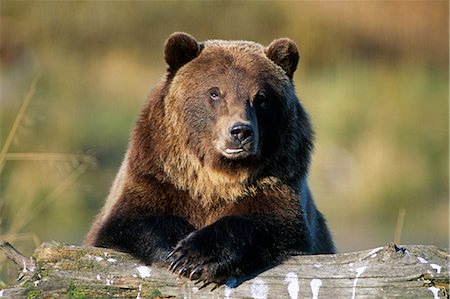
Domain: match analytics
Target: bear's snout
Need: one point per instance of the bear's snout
(242, 141)
(242, 133)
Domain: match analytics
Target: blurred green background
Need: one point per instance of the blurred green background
(373, 75)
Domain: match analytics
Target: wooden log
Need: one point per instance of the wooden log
(84, 272)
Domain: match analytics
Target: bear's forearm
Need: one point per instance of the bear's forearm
(148, 238)
(235, 246)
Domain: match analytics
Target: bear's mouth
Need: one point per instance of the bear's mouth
(236, 153)
(233, 151)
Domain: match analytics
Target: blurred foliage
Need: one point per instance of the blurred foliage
(373, 76)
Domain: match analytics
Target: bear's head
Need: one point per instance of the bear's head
(232, 119)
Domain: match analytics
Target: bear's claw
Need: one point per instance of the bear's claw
(193, 266)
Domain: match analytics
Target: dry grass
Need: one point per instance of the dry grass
(12, 133)
(78, 163)
(399, 226)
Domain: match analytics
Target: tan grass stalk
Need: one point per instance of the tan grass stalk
(17, 120)
(399, 225)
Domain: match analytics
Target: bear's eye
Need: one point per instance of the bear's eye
(261, 101)
(214, 94)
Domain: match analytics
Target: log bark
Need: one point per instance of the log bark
(67, 271)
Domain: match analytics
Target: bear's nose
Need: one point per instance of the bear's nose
(243, 133)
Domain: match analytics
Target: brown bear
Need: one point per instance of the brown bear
(214, 182)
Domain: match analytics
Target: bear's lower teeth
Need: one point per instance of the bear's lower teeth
(234, 150)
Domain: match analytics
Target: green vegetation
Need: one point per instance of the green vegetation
(34, 294)
(155, 293)
(373, 76)
(75, 293)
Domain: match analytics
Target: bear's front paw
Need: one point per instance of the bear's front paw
(199, 257)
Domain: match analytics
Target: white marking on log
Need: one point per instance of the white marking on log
(292, 281)
(422, 260)
(359, 271)
(315, 286)
(144, 271)
(99, 277)
(259, 289)
(227, 292)
(436, 267)
(435, 292)
(373, 251)
(24, 270)
(139, 292)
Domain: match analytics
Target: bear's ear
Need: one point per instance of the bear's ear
(284, 52)
(180, 48)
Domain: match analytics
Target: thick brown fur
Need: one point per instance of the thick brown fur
(179, 173)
